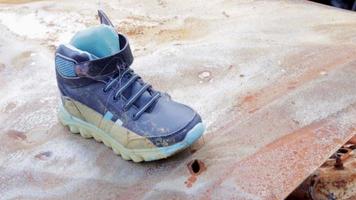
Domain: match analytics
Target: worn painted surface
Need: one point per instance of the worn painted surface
(273, 80)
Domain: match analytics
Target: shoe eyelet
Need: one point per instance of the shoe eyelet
(105, 91)
(114, 98)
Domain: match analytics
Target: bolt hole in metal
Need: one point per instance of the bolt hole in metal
(343, 151)
(351, 146)
(196, 167)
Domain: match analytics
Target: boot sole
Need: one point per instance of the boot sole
(88, 130)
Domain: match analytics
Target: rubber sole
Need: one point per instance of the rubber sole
(88, 130)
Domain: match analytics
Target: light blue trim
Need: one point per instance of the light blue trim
(149, 154)
(191, 137)
(108, 116)
(101, 41)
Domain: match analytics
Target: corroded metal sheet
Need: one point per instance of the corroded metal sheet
(335, 179)
(273, 80)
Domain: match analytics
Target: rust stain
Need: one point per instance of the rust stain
(156, 30)
(249, 99)
(352, 140)
(340, 183)
(190, 181)
(292, 85)
(195, 167)
(43, 155)
(16, 135)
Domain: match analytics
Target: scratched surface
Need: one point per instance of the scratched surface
(273, 80)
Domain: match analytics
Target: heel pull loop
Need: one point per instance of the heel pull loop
(104, 19)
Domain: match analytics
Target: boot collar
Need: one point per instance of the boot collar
(108, 65)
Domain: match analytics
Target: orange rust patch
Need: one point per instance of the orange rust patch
(147, 29)
(285, 152)
(292, 85)
(268, 94)
(249, 99)
(190, 181)
(354, 164)
(352, 140)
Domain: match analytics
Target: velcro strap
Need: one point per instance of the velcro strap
(108, 65)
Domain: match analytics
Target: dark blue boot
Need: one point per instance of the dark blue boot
(103, 98)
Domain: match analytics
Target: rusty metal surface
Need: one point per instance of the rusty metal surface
(335, 179)
(273, 80)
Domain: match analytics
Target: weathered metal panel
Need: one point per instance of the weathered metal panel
(273, 80)
(335, 179)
